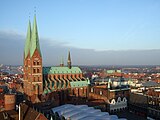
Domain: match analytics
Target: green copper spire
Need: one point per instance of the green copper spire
(34, 39)
(28, 41)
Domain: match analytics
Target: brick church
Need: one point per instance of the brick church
(56, 82)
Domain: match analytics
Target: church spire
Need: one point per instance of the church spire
(69, 60)
(34, 39)
(28, 41)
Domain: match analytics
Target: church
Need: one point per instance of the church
(56, 83)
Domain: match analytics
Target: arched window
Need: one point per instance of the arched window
(34, 62)
(38, 63)
(34, 70)
(38, 71)
(119, 100)
(113, 102)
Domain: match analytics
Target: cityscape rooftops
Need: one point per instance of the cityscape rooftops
(82, 112)
(149, 84)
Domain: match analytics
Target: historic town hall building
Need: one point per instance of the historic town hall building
(39, 81)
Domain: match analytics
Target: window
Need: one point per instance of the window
(100, 93)
(38, 63)
(38, 71)
(153, 103)
(34, 62)
(34, 70)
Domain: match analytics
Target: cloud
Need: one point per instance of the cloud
(12, 47)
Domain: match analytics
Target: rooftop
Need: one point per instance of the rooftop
(61, 70)
(82, 112)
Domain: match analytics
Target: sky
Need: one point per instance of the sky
(97, 32)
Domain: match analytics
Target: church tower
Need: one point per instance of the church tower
(69, 61)
(26, 67)
(33, 76)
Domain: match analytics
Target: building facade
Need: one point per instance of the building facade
(115, 94)
(41, 83)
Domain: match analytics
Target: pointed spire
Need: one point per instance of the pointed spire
(69, 56)
(28, 41)
(34, 39)
(69, 60)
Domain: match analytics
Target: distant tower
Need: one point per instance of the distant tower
(109, 83)
(69, 60)
(33, 77)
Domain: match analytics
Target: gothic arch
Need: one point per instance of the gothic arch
(113, 101)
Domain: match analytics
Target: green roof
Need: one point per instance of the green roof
(61, 70)
(28, 41)
(79, 84)
(113, 71)
(34, 39)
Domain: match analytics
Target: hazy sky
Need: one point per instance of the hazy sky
(108, 32)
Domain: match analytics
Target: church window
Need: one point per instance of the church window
(38, 71)
(34, 70)
(34, 62)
